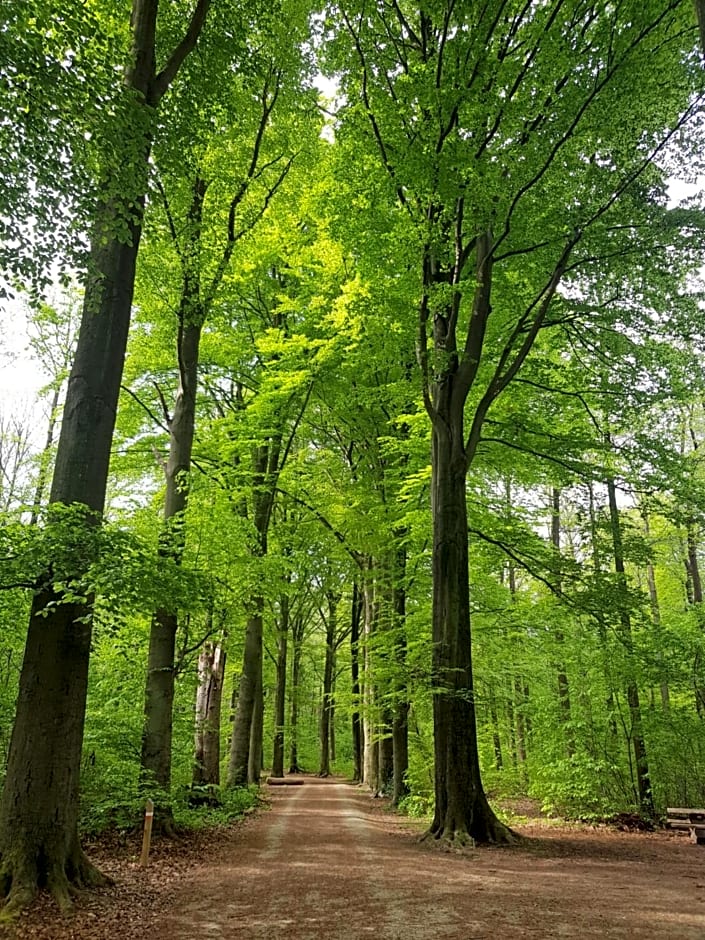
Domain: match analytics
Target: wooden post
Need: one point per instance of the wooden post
(147, 837)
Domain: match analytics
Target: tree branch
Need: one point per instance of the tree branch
(167, 75)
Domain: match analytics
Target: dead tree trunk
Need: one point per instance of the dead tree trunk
(209, 697)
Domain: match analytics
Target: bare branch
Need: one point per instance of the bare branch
(145, 407)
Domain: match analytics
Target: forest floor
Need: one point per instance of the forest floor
(328, 862)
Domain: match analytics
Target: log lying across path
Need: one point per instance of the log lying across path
(284, 782)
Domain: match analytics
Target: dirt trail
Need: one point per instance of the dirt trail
(327, 863)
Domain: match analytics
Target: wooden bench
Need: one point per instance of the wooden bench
(691, 819)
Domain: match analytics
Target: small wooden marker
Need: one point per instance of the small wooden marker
(147, 837)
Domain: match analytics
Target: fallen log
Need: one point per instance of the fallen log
(284, 782)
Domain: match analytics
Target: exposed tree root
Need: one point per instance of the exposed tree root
(453, 835)
(458, 840)
(22, 879)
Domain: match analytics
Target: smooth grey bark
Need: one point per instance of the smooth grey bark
(209, 698)
(39, 807)
(643, 782)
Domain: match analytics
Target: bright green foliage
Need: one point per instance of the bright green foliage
(561, 130)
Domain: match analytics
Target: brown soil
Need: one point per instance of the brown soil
(328, 863)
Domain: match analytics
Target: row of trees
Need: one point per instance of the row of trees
(469, 254)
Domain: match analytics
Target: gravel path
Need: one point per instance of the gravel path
(328, 862)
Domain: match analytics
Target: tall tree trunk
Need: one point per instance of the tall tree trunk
(297, 635)
(209, 697)
(400, 720)
(265, 473)
(562, 677)
(496, 739)
(610, 703)
(159, 685)
(695, 597)
(656, 617)
(331, 722)
(462, 812)
(250, 683)
(643, 782)
(371, 750)
(255, 762)
(521, 696)
(39, 807)
(357, 742)
(280, 690)
(326, 699)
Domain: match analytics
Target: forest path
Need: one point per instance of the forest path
(328, 863)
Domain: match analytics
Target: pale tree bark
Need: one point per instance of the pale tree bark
(250, 686)
(209, 697)
(610, 705)
(39, 808)
(44, 457)
(521, 696)
(254, 761)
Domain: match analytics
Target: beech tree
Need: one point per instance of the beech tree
(38, 813)
(506, 162)
(228, 217)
